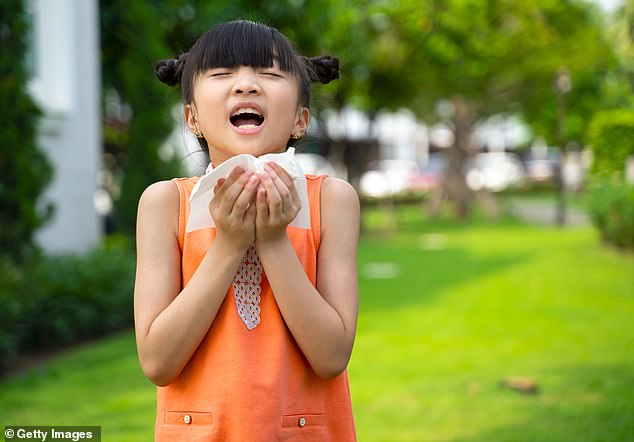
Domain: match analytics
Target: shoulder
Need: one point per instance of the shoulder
(159, 207)
(338, 193)
(159, 194)
(340, 208)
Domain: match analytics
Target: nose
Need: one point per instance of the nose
(246, 82)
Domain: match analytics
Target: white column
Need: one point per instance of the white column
(67, 88)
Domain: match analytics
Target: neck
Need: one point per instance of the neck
(217, 157)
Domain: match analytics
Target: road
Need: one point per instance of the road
(543, 212)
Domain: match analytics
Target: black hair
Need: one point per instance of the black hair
(245, 43)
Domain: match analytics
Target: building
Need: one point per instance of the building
(65, 83)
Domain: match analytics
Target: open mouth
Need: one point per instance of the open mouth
(247, 118)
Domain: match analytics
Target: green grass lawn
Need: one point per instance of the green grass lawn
(447, 311)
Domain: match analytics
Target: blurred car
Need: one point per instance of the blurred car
(541, 168)
(495, 171)
(387, 178)
(430, 174)
(315, 164)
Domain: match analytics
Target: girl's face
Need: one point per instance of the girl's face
(246, 110)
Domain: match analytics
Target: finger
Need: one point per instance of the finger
(272, 195)
(282, 173)
(282, 188)
(290, 183)
(218, 184)
(224, 183)
(215, 201)
(249, 214)
(234, 175)
(246, 196)
(230, 192)
(262, 208)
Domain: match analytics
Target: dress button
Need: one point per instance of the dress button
(187, 419)
(302, 421)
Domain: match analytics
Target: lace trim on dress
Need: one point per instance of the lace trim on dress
(247, 288)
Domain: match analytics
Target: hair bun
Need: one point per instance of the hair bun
(170, 71)
(322, 69)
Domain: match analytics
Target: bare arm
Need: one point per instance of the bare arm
(170, 323)
(322, 320)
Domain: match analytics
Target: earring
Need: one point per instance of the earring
(296, 136)
(198, 133)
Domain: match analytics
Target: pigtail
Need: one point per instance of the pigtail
(170, 71)
(322, 69)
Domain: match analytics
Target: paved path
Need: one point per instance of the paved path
(543, 212)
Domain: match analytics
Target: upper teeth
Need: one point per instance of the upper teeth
(246, 110)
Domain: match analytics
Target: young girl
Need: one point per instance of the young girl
(247, 327)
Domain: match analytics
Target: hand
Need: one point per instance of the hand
(277, 203)
(233, 207)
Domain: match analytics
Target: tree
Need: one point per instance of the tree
(24, 169)
(503, 57)
(485, 56)
(138, 111)
(618, 85)
(622, 34)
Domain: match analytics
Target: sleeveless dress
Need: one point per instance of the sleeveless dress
(248, 380)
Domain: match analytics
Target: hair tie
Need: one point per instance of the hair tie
(170, 71)
(322, 69)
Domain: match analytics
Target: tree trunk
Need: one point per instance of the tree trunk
(454, 187)
(560, 207)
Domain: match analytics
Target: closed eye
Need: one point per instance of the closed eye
(273, 74)
(219, 72)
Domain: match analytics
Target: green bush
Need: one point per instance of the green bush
(10, 308)
(132, 41)
(611, 205)
(56, 300)
(611, 136)
(610, 198)
(24, 169)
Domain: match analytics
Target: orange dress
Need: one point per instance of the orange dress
(252, 385)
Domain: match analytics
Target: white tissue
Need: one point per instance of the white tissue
(203, 192)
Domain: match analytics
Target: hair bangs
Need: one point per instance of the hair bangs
(244, 43)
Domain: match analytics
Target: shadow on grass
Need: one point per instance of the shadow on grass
(421, 275)
(95, 384)
(414, 261)
(412, 218)
(576, 403)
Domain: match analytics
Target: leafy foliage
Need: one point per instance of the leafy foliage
(610, 198)
(56, 300)
(611, 136)
(622, 34)
(132, 41)
(10, 308)
(500, 56)
(486, 57)
(611, 205)
(24, 169)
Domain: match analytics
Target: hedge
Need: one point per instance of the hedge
(611, 137)
(611, 206)
(59, 300)
(610, 198)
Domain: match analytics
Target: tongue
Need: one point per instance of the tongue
(244, 121)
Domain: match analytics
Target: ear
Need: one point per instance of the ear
(301, 121)
(190, 117)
